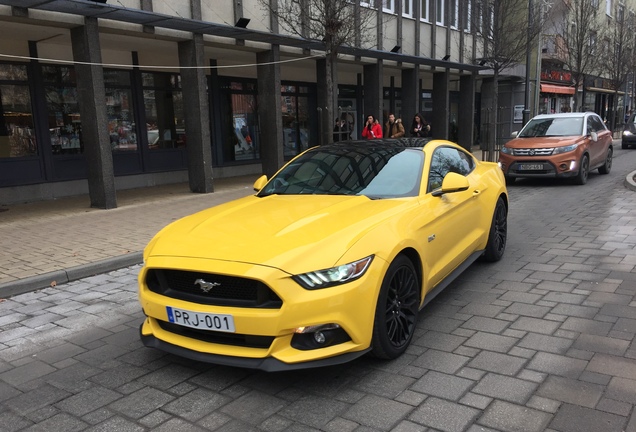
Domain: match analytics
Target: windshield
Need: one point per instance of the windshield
(375, 172)
(547, 127)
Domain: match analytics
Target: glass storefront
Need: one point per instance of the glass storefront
(17, 134)
(240, 120)
(163, 104)
(65, 126)
(295, 114)
(119, 108)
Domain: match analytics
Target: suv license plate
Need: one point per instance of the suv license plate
(530, 167)
(201, 320)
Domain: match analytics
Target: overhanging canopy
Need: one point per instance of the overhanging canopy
(553, 88)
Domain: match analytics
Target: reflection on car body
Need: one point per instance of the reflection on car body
(332, 258)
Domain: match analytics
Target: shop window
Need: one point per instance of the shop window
(163, 105)
(65, 126)
(241, 137)
(119, 109)
(245, 133)
(17, 136)
(295, 115)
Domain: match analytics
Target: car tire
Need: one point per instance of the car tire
(607, 166)
(498, 233)
(624, 146)
(584, 167)
(396, 310)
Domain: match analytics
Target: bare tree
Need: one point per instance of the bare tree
(577, 28)
(506, 28)
(616, 56)
(336, 23)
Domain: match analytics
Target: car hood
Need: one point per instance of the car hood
(543, 142)
(294, 233)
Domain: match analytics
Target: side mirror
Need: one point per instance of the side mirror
(452, 182)
(260, 183)
(514, 134)
(594, 136)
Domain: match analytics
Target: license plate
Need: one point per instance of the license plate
(530, 167)
(201, 320)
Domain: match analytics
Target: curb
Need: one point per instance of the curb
(629, 181)
(34, 283)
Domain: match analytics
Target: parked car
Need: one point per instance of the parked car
(332, 258)
(629, 133)
(567, 145)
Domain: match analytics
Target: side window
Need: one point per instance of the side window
(445, 160)
(597, 124)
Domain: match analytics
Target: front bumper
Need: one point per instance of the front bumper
(351, 306)
(267, 364)
(514, 167)
(628, 139)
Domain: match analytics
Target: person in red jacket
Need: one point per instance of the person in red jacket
(372, 128)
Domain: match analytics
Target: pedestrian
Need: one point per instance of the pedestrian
(372, 128)
(420, 127)
(393, 128)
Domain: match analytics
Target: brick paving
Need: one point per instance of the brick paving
(541, 341)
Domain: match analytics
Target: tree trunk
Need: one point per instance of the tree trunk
(493, 136)
(332, 92)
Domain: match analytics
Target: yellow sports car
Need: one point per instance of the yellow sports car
(333, 257)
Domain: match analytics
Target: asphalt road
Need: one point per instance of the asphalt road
(540, 341)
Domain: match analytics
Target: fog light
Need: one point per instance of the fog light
(563, 167)
(572, 165)
(319, 337)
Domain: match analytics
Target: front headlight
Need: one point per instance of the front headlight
(507, 150)
(626, 133)
(559, 150)
(333, 276)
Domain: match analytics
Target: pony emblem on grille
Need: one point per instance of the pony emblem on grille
(206, 286)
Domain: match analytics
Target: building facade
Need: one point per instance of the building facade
(97, 96)
(594, 39)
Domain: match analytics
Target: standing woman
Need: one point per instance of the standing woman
(420, 127)
(372, 128)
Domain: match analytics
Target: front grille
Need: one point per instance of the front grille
(533, 152)
(234, 339)
(227, 290)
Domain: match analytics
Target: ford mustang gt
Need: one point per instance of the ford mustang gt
(331, 258)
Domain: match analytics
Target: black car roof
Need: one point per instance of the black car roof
(381, 143)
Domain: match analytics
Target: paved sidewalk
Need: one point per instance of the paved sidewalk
(53, 242)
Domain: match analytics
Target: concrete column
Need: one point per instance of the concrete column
(466, 114)
(197, 115)
(269, 110)
(92, 105)
(373, 91)
(410, 96)
(441, 104)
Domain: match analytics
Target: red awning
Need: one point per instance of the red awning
(552, 88)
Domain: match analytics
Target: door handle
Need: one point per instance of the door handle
(476, 192)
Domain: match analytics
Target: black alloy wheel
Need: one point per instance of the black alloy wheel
(498, 233)
(396, 310)
(607, 166)
(584, 168)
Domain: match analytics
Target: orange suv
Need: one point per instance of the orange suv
(558, 145)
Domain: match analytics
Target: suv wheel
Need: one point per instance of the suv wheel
(584, 168)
